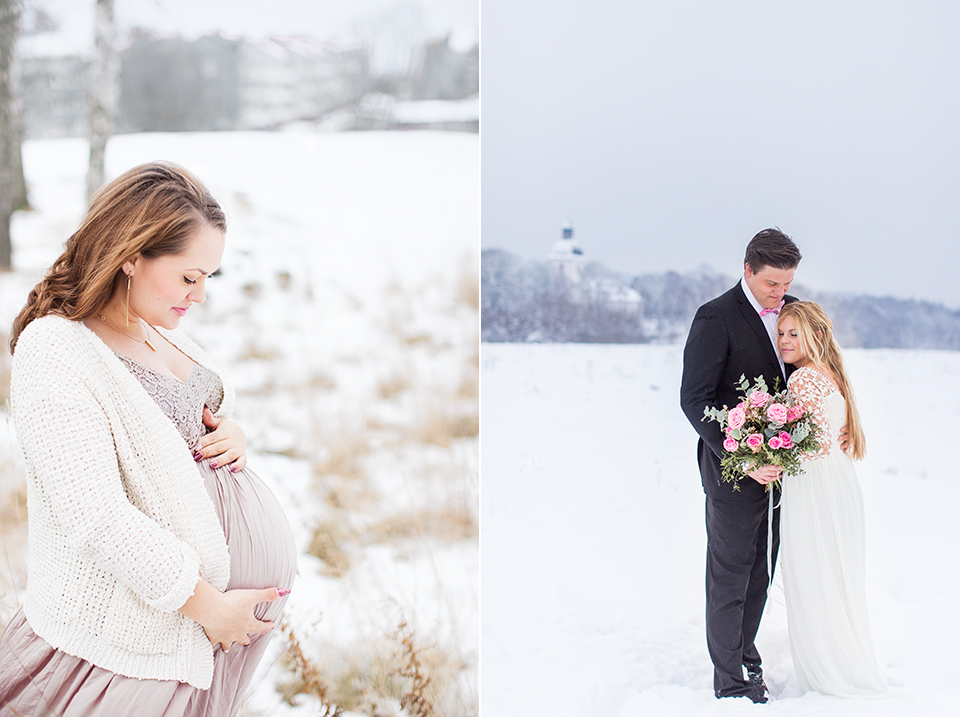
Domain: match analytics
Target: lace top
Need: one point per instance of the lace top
(821, 399)
(181, 402)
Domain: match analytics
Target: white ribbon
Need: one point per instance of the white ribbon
(771, 507)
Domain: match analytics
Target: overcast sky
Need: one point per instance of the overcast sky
(671, 132)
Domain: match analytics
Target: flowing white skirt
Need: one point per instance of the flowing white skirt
(822, 559)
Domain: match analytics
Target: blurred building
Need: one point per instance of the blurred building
(567, 256)
(219, 83)
(613, 294)
(597, 286)
(54, 96)
(446, 74)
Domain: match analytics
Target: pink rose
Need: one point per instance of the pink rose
(777, 412)
(759, 399)
(785, 440)
(754, 442)
(736, 417)
(775, 443)
(794, 412)
(730, 445)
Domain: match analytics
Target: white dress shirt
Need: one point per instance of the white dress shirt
(769, 321)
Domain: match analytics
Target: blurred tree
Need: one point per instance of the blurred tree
(394, 35)
(13, 188)
(104, 91)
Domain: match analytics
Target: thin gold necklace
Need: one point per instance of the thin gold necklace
(123, 333)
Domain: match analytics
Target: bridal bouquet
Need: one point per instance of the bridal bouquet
(763, 429)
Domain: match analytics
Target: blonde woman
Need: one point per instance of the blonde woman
(157, 563)
(822, 520)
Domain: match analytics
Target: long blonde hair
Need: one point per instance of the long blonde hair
(816, 341)
(152, 209)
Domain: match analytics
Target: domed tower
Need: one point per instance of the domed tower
(567, 256)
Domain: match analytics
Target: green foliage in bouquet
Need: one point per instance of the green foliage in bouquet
(763, 429)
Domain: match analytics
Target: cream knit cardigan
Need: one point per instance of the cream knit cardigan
(120, 525)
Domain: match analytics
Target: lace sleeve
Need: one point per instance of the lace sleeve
(808, 388)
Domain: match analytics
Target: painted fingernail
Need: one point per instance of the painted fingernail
(197, 456)
(233, 469)
(213, 464)
(283, 592)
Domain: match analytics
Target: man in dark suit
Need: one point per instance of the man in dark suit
(734, 335)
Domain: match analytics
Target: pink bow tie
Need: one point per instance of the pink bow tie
(772, 311)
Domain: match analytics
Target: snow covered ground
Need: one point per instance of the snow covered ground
(346, 314)
(593, 538)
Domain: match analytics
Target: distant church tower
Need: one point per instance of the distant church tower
(567, 256)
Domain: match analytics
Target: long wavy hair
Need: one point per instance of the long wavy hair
(816, 341)
(153, 209)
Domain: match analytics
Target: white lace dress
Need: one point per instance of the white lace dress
(822, 556)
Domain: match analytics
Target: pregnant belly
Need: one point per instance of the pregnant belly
(262, 549)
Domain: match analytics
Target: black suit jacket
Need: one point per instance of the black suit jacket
(727, 339)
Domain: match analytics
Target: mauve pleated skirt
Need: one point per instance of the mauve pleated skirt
(36, 679)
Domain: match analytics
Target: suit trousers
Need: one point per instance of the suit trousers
(737, 583)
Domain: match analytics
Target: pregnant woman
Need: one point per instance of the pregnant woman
(157, 563)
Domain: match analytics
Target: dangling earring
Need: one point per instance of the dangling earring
(128, 300)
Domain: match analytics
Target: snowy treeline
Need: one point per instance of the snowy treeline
(532, 301)
(527, 300)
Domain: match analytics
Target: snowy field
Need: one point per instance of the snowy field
(593, 538)
(346, 315)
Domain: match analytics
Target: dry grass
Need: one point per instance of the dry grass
(265, 389)
(255, 351)
(469, 385)
(284, 280)
(375, 423)
(332, 539)
(6, 363)
(415, 699)
(320, 381)
(392, 677)
(13, 536)
(468, 288)
(450, 523)
(348, 495)
(345, 449)
(367, 681)
(395, 384)
(327, 545)
(305, 677)
(13, 502)
(418, 339)
(427, 398)
(439, 424)
(252, 290)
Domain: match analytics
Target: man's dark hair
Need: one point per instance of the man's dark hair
(772, 247)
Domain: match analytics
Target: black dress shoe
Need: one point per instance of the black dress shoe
(756, 683)
(753, 692)
(755, 675)
(758, 693)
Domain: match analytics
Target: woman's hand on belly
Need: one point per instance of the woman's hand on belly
(225, 445)
(228, 617)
